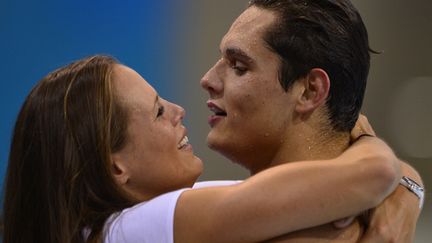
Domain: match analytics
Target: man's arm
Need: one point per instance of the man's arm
(396, 218)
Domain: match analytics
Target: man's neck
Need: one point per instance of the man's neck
(307, 144)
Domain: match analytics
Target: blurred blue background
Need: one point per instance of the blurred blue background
(37, 37)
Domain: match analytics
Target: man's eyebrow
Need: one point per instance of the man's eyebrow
(238, 53)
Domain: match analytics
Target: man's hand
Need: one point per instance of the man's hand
(395, 219)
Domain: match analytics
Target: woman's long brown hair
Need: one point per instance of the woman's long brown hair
(59, 181)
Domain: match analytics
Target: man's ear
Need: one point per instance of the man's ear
(119, 170)
(315, 91)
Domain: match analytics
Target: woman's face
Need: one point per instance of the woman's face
(156, 157)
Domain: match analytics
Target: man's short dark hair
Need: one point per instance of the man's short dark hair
(327, 34)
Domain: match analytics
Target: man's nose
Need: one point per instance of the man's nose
(212, 82)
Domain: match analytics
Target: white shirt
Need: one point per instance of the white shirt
(151, 221)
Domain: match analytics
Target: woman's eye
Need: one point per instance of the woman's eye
(239, 68)
(160, 111)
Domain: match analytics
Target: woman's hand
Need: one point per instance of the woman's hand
(362, 128)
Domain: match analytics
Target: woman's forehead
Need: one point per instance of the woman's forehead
(132, 89)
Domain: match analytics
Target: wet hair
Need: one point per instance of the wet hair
(327, 34)
(59, 183)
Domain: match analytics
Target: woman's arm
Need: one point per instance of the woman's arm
(289, 197)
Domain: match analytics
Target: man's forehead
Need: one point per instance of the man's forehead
(248, 28)
(254, 18)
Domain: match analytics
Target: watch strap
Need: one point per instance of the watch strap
(413, 187)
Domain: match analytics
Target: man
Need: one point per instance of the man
(288, 87)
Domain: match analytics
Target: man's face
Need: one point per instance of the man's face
(252, 112)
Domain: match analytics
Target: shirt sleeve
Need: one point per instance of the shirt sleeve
(148, 222)
(204, 184)
(151, 221)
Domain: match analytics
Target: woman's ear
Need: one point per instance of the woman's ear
(315, 91)
(119, 169)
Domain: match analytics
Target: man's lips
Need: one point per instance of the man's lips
(218, 115)
(216, 109)
(214, 119)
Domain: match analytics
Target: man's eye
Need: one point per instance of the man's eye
(160, 112)
(239, 68)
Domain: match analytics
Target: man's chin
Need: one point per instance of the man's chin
(212, 141)
(216, 142)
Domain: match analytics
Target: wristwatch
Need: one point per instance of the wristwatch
(414, 187)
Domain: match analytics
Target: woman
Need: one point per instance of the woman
(98, 156)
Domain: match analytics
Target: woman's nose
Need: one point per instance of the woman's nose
(179, 114)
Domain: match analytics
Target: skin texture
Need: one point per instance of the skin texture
(223, 209)
(265, 126)
(151, 163)
(260, 113)
(389, 221)
(256, 122)
(154, 124)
